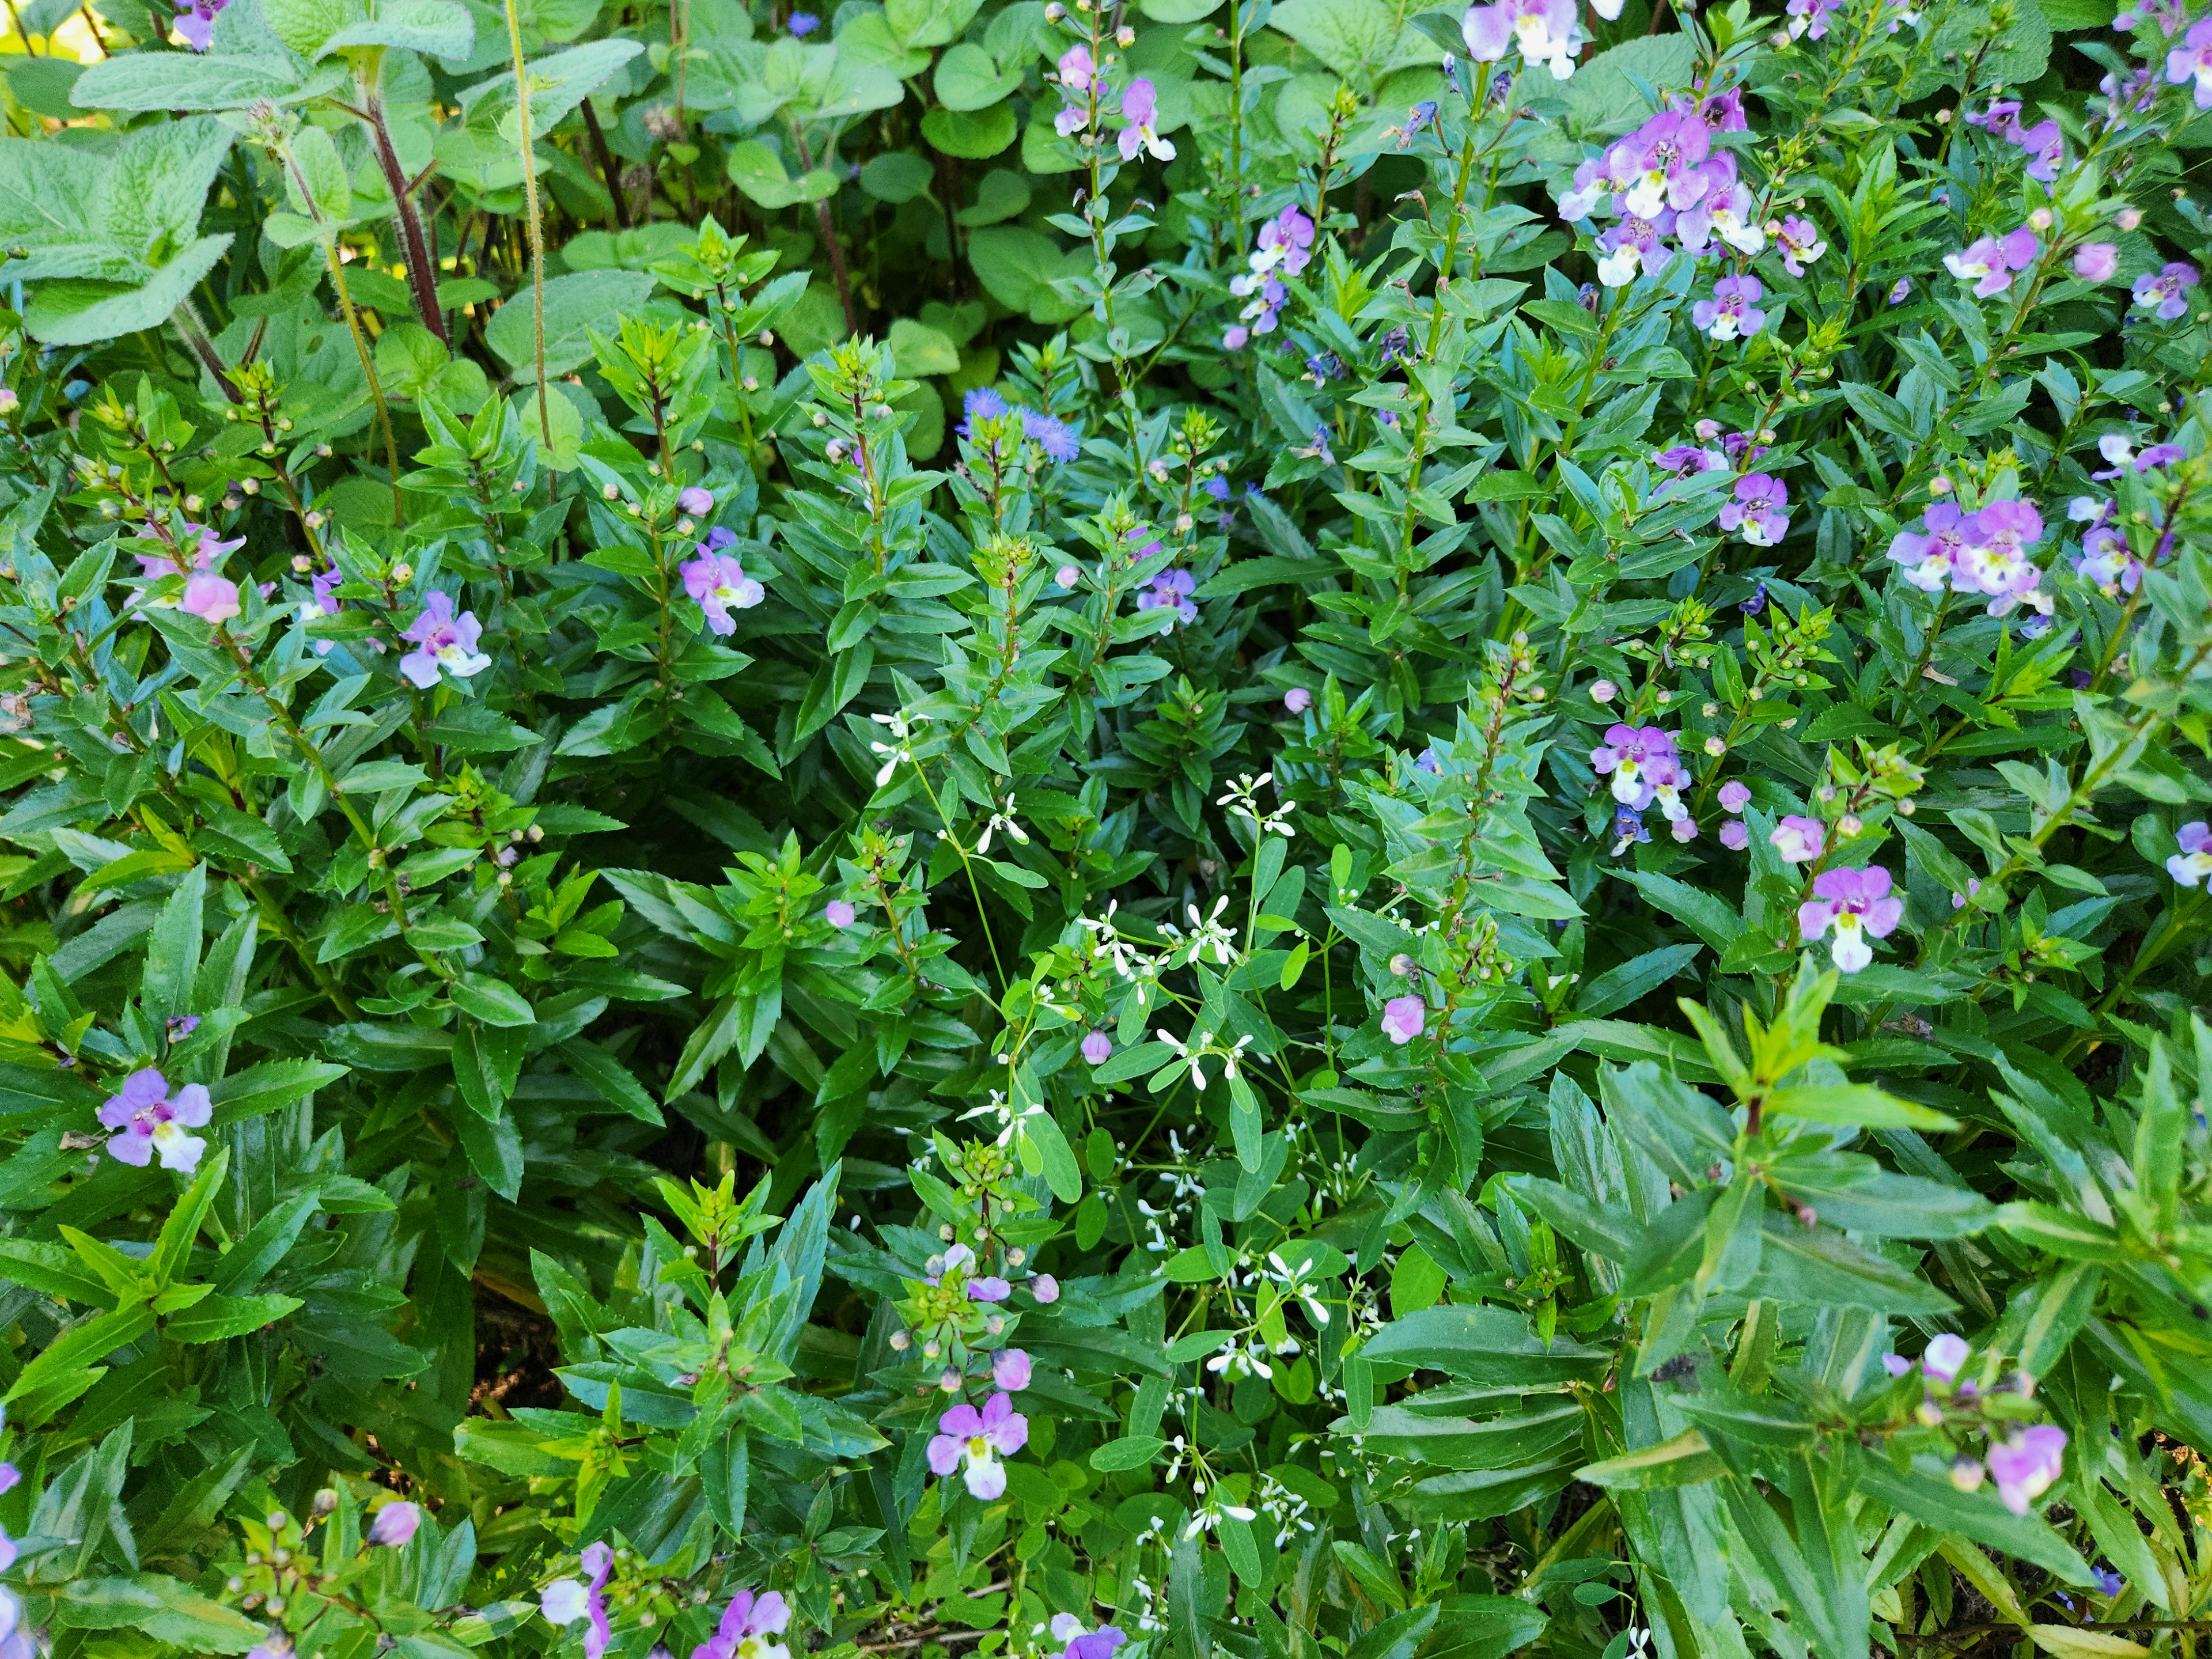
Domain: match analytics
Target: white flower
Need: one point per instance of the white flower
(895, 753)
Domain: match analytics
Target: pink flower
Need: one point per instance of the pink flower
(1800, 243)
(2025, 1466)
(1097, 1047)
(1236, 338)
(1734, 796)
(1857, 903)
(148, 1124)
(1067, 576)
(395, 1524)
(1682, 829)
(1941, 1361)
(1798, 840)
(210, 597)
(565, 1600)
(1045, 1288)
(1733, 311)
(978, 1440)
(1297, 700)
(1990, 262)
(1930, 558)
(988, 1289)
(442, 639)
(695, 502)
(1403, 1019)
(1638, 758)
(718, 584)
(838, 914)
(1010, 1370)
(2192, 60)
(1736, 834)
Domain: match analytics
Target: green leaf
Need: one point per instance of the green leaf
(1925, 1492)
(214, 1318)
(574, 305)
(1487, 1345)
(1133, 1452)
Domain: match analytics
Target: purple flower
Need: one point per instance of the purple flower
(1140, 109)
(978, 1440)
(1990, 262)
(1734, 796)
(442, 639)
(1010, 1370)
(1054, 436)
(1627, 830)
(1663, 164)
(2000, 117)
(1896, 1364)
(1810, 16)
(1546, 30)
(803, 23)
(1687, 460)
(2194, 861)
(1931, 554)
(1798, 840)
(1724, 208)
(1634, 245)
(178, 1027)
(1236, 338)
(839, 914)
(1067, 577)
(1640, 760)
(2095, 262)
(2192, 60)
(718, 584)
(1045, 1288)
(1403, 1019)
(1297, 700)
(1858, 905)
(1733, 312)
(1097, 1047)
(1736, 834)
(988, 1289)
(1760, 508)
(745, 1629)
(2046, 146)
(1086, 1644)
(2109, 563)
(1077, 76)
(1940, 1361)
(2166, 293)
(148, 1124)
(195, 22)
(1995, 560)
(696, 501)
(1171, 590)
(1800, 243)
(979, 402)
(2109, 1583)
(1900, 291)
(565, 1600)
(210, 597)
(395, 1524)
(2025, 1466)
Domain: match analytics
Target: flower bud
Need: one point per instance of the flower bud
(1603, 692)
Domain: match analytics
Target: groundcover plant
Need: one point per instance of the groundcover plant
(1205, 829)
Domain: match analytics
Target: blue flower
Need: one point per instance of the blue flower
(1055, 437)
(1627, 828)
(804, 23)
(2109, 1584)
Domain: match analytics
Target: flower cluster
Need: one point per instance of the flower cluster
(1984, 552)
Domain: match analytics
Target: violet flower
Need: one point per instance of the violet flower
(2025, 1466)
(1097, 1048)
(1546, 31)
(1075, 73)
(1051, 434)
(718, 584)
(1085, 1643)
(1931, 554)
(2047, 149)
(1858, 905)
(1045, 1288)
(1810, 17)
(839, 914)
(1733, 312)
(442, 639)
(1800, 243)
(150, 1125)
(2194, 861)
(1627, 830)
(1734, 796)
(1995, 560)
(1010, 1370)
(1990, 262)
(803, 23)
(395, 1524)
(1760, 508)
(2166, 293)
(1637, 758)
(1941, 1360)
(1140, 109)
(1171, 590)
(565, 1600)
(1736, 834)
(973, 1441)
(745, 1627)
(694, 501)
(1669, 152)
(2108, 563)
(2192, 61)
(195, 22)
(1635, 245)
